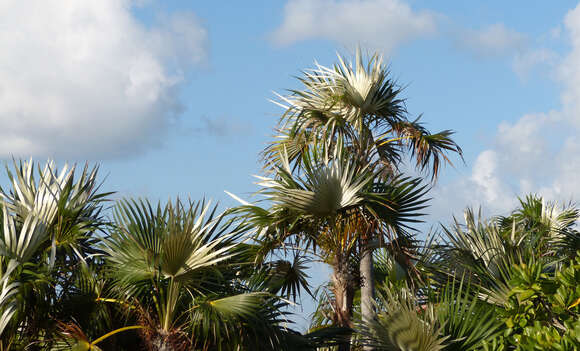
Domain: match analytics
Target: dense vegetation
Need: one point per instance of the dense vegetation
(80, 271)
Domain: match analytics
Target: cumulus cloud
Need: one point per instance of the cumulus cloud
(524, 62)
(539, 153)
(492, 41)
(382, 24)
(569, 70)
(498, 41)
(82, 78)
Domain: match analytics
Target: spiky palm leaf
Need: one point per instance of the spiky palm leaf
(465, 318)
(49, 226)
(59, 204)
(358, 104)
(548, 227)
(8, 294)
(167, 245)
(334, 189)
(403, 325)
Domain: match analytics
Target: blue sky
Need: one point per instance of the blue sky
(171, 97)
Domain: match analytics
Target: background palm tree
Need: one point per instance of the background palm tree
(357, 105)
(488, 250)
(516, 265)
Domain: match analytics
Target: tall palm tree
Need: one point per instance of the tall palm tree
(357, 104)
(325, 208)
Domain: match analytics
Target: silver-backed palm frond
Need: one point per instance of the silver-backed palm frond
(480, 251)
(48, 207)
(41, 197)
(354, 93)
(333, 201)
(358, 104)
(328, 186)
(8, 294)
(548, 227)
(20, 241)
(158, 254)
(169, 241)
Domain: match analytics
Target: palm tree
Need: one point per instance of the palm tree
(454, 319)
(517, 265)
(49, 227)
(488, 250)
(185, 272)
(325, 208)
(360, 106)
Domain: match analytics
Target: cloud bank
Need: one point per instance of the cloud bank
(86, 79)
(539, 153)
(492, 41)
(383, 24)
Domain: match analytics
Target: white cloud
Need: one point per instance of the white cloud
(569, 70)
(492, 41)
(82, 78)
(524, 62)
(499, 41)
(382, 24)
(539, 153)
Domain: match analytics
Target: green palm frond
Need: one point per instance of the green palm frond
(398, 202)
(479, 250)
(171, 241)
(403, 325)
(357, 104)
(357, 92)
(8, 294)
(21, 241)
(320, 339)
(249, 320)
(428, 150)
(59, 209)
(465, 318)
(548, 227)
(328, 186)
(386, 268)
(162, 257)
(287, 278)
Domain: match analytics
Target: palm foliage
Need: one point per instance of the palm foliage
(182, 276)
(402, 325)
(356, 107)
(360, 105)
(165, 260)
(455, 319)
(325, 209)
(49, 227)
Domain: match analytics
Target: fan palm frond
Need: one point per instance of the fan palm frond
(402, 325)
(170, 241)
(465, 318)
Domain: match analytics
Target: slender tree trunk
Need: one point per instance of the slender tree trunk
(367, 295)
(343, 288)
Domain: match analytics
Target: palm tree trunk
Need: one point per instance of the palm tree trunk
(367, 295)
(343, 288)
